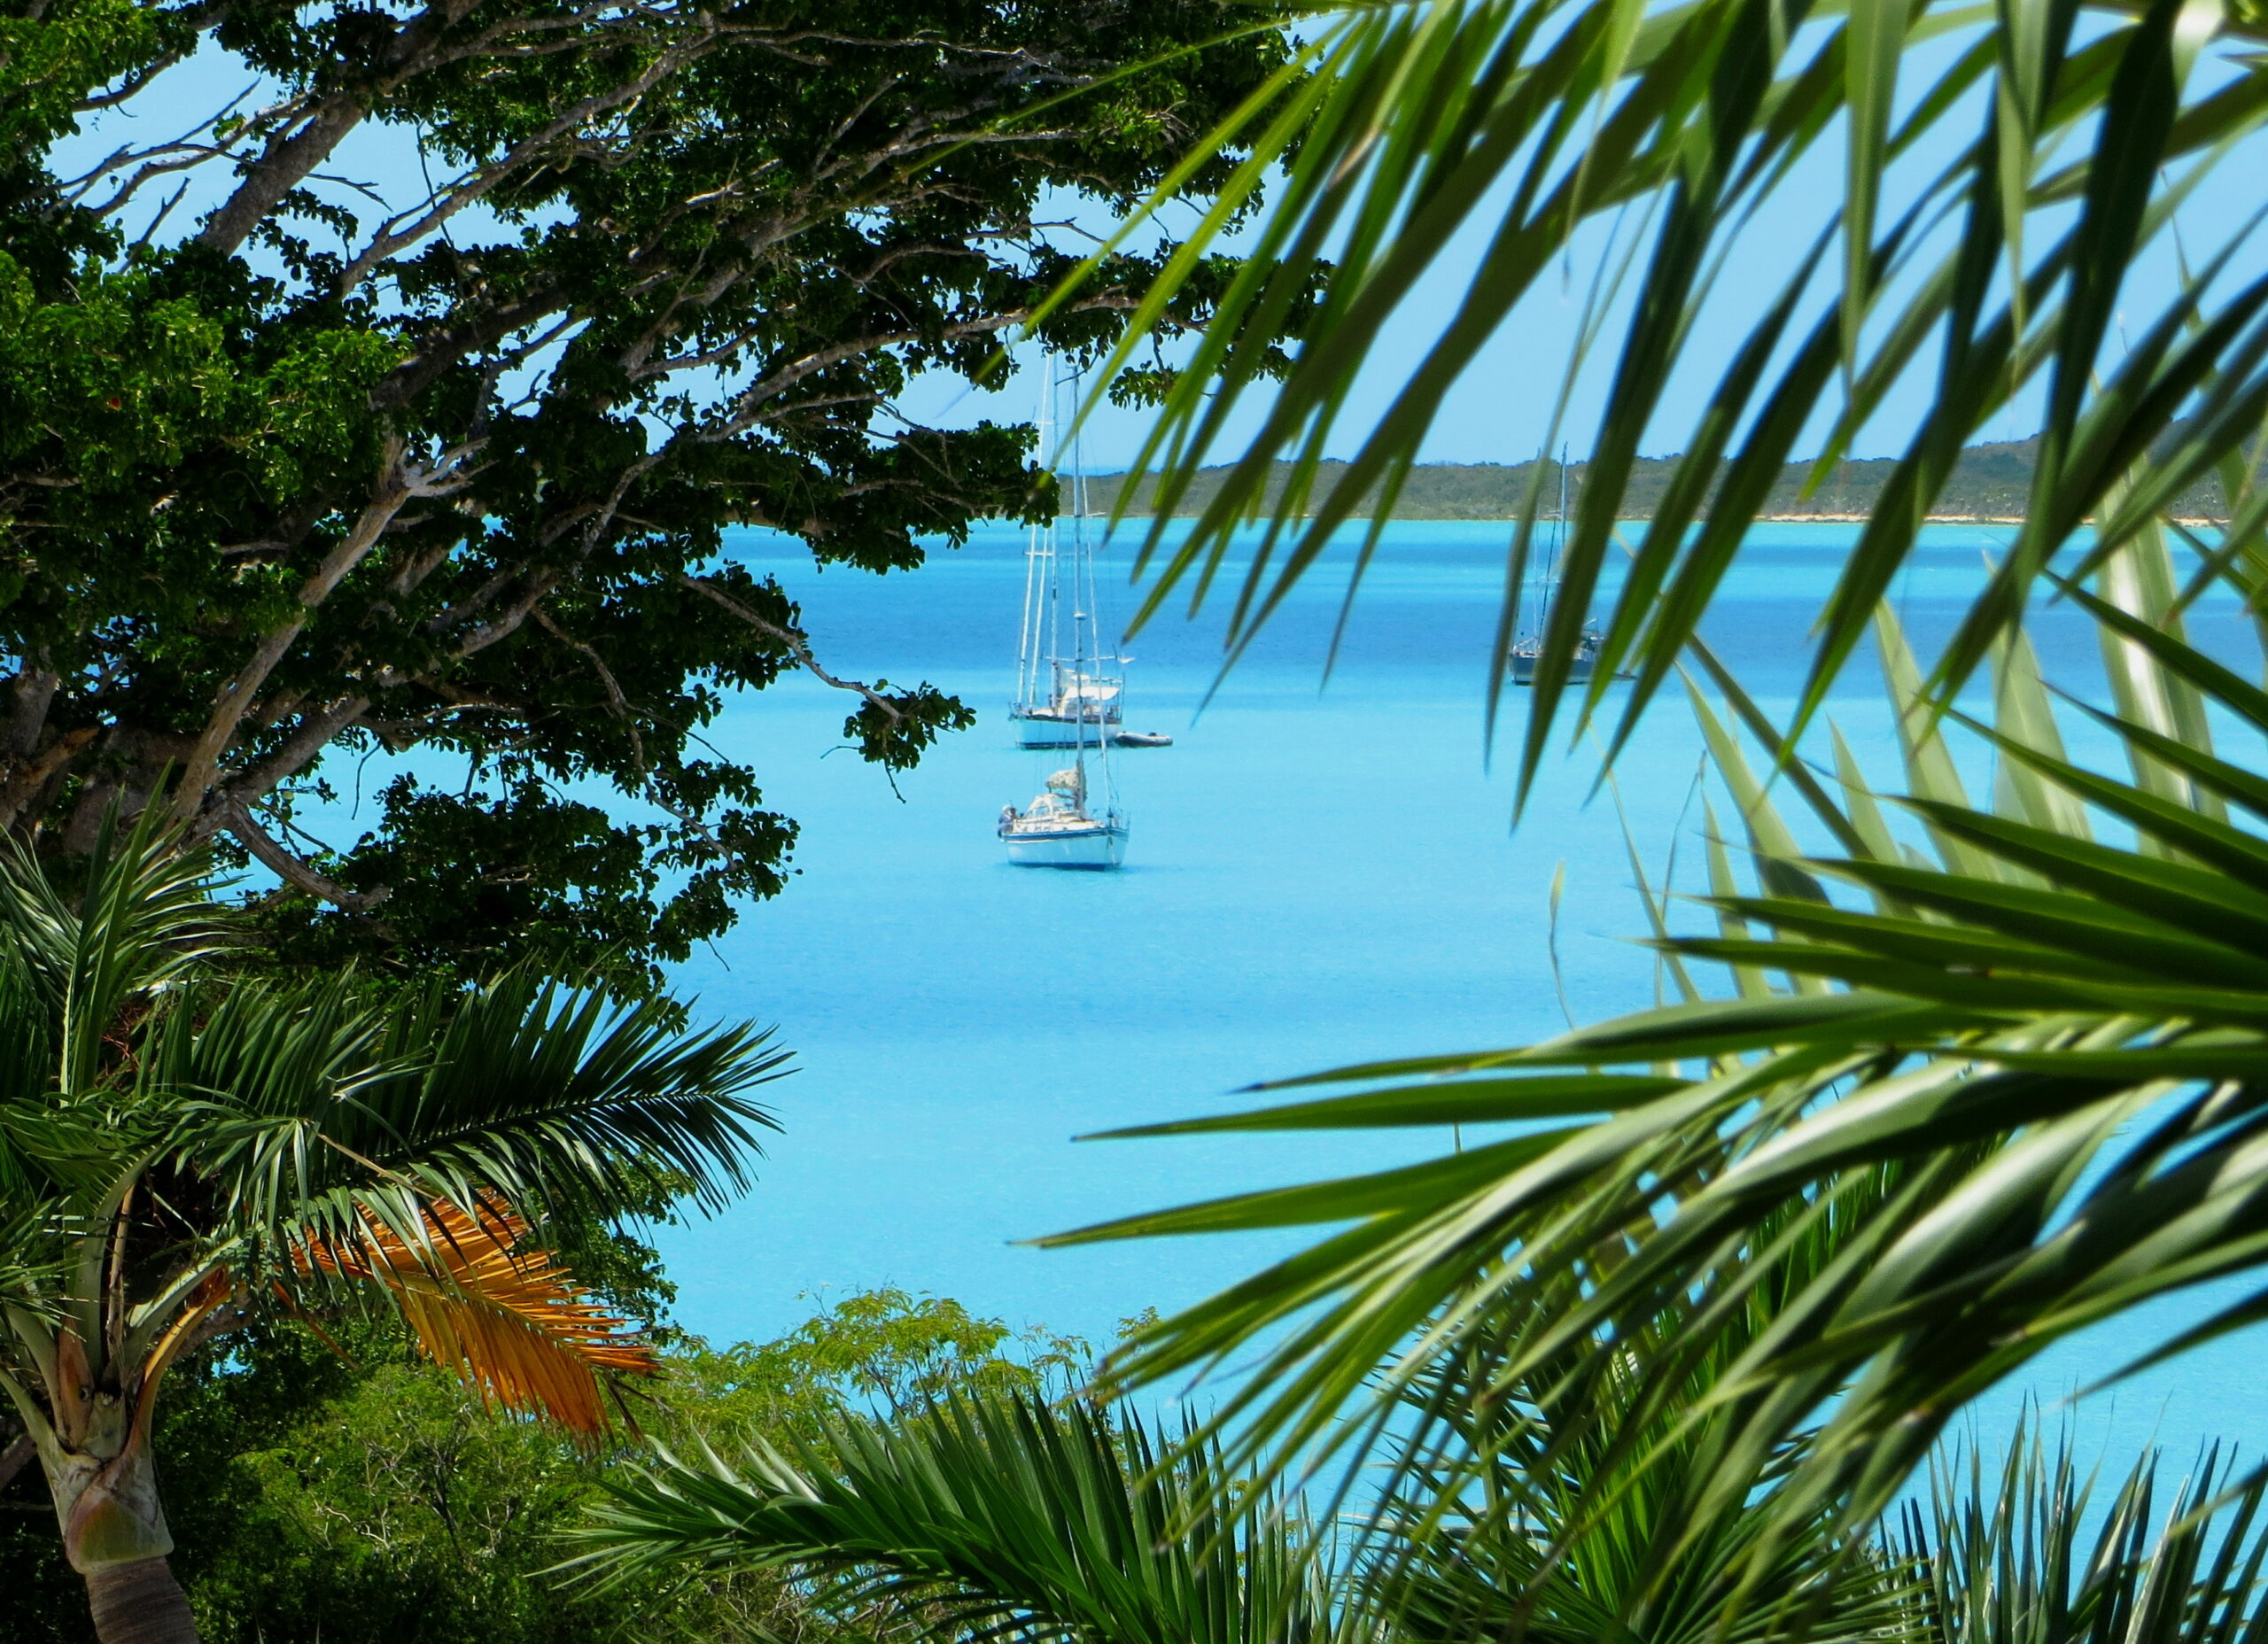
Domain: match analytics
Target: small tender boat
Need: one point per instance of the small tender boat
(1141, 739)
(1057, 831)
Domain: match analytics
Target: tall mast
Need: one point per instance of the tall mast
(1039, 563)
(1559, 535)
(1085, 611)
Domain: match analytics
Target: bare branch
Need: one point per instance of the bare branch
(395, 487)
(797, 643)
(295, 870)
(616, 699)
(15, 1458)
(447, 202)
(316, 733)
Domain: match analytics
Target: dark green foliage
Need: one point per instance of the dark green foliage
(2041, 1556)
(440, 465)
(368, 1499)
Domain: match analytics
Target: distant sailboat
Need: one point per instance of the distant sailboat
(1066, 696)
(1067, 688)
(1058, 831)
(1528, 647)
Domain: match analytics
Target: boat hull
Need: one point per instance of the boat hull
(1524, 669)
(1096, 846)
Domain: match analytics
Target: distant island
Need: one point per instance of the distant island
(1991, 482)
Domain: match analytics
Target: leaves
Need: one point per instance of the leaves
(995, 1511)
(2053, 1044)
(436, 471)
(184, 1149)
(484, 1302)
(1547, 125)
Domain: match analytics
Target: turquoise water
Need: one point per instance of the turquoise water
(1316, 876)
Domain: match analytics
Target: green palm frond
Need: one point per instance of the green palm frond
(2059, 1044)
(297, 1101)
(181, 1142)
(1504, 1519)
(1001, 1512)
(2035, 147)
(2027, 1557)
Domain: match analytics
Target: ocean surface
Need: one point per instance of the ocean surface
(1317, 875)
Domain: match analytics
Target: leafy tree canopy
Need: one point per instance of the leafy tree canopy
(396, 396)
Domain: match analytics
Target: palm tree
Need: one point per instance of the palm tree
(2054, 1035)
(180, 1152)
(2053, 1025)
(1502, 1519)
(2014, 1562)
(986, 1514)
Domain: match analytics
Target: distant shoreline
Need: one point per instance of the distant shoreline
(1990, 485)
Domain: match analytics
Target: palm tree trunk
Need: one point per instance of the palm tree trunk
(115, 1536)
(140, 1602)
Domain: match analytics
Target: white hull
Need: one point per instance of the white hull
(1524, 669)
(1097, 847)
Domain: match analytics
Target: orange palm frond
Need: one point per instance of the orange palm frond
(510, 1321)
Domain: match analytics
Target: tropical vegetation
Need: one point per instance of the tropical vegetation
(344, 1487)
(2040, 1012)
(185, 1154)
(985, 1513)
(1654, 1349)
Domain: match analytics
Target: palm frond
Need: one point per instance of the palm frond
(1539, 125)
(1001, 1512)
(2060, 1045)
(2011, 1559)
(285, 1097)
(484, 1302)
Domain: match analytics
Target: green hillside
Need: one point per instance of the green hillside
(1990, 484)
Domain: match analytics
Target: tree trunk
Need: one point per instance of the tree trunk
(114, 1532)
(140, 1602)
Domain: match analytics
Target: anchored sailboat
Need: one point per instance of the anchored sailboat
(1526, 646)
(1058, 831)
(1067, 687)
(1068, 693)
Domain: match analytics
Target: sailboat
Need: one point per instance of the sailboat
(1528, 647)
(1067, 688)
(1066, 696)
(1057, 830)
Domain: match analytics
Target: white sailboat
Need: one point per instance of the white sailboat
(1528, 647)
(1067, 688)
(1057, 830)
(1066, 696)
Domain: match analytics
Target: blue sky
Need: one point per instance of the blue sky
(1499, 410)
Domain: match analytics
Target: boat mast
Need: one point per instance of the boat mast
(1558, 535)
(1039, 563)
(1084, 609)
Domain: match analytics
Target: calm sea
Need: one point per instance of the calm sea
(1316, 875)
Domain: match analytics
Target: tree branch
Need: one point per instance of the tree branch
(295, 870)
(15, 1458)
(796, 642)
(235, 696)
